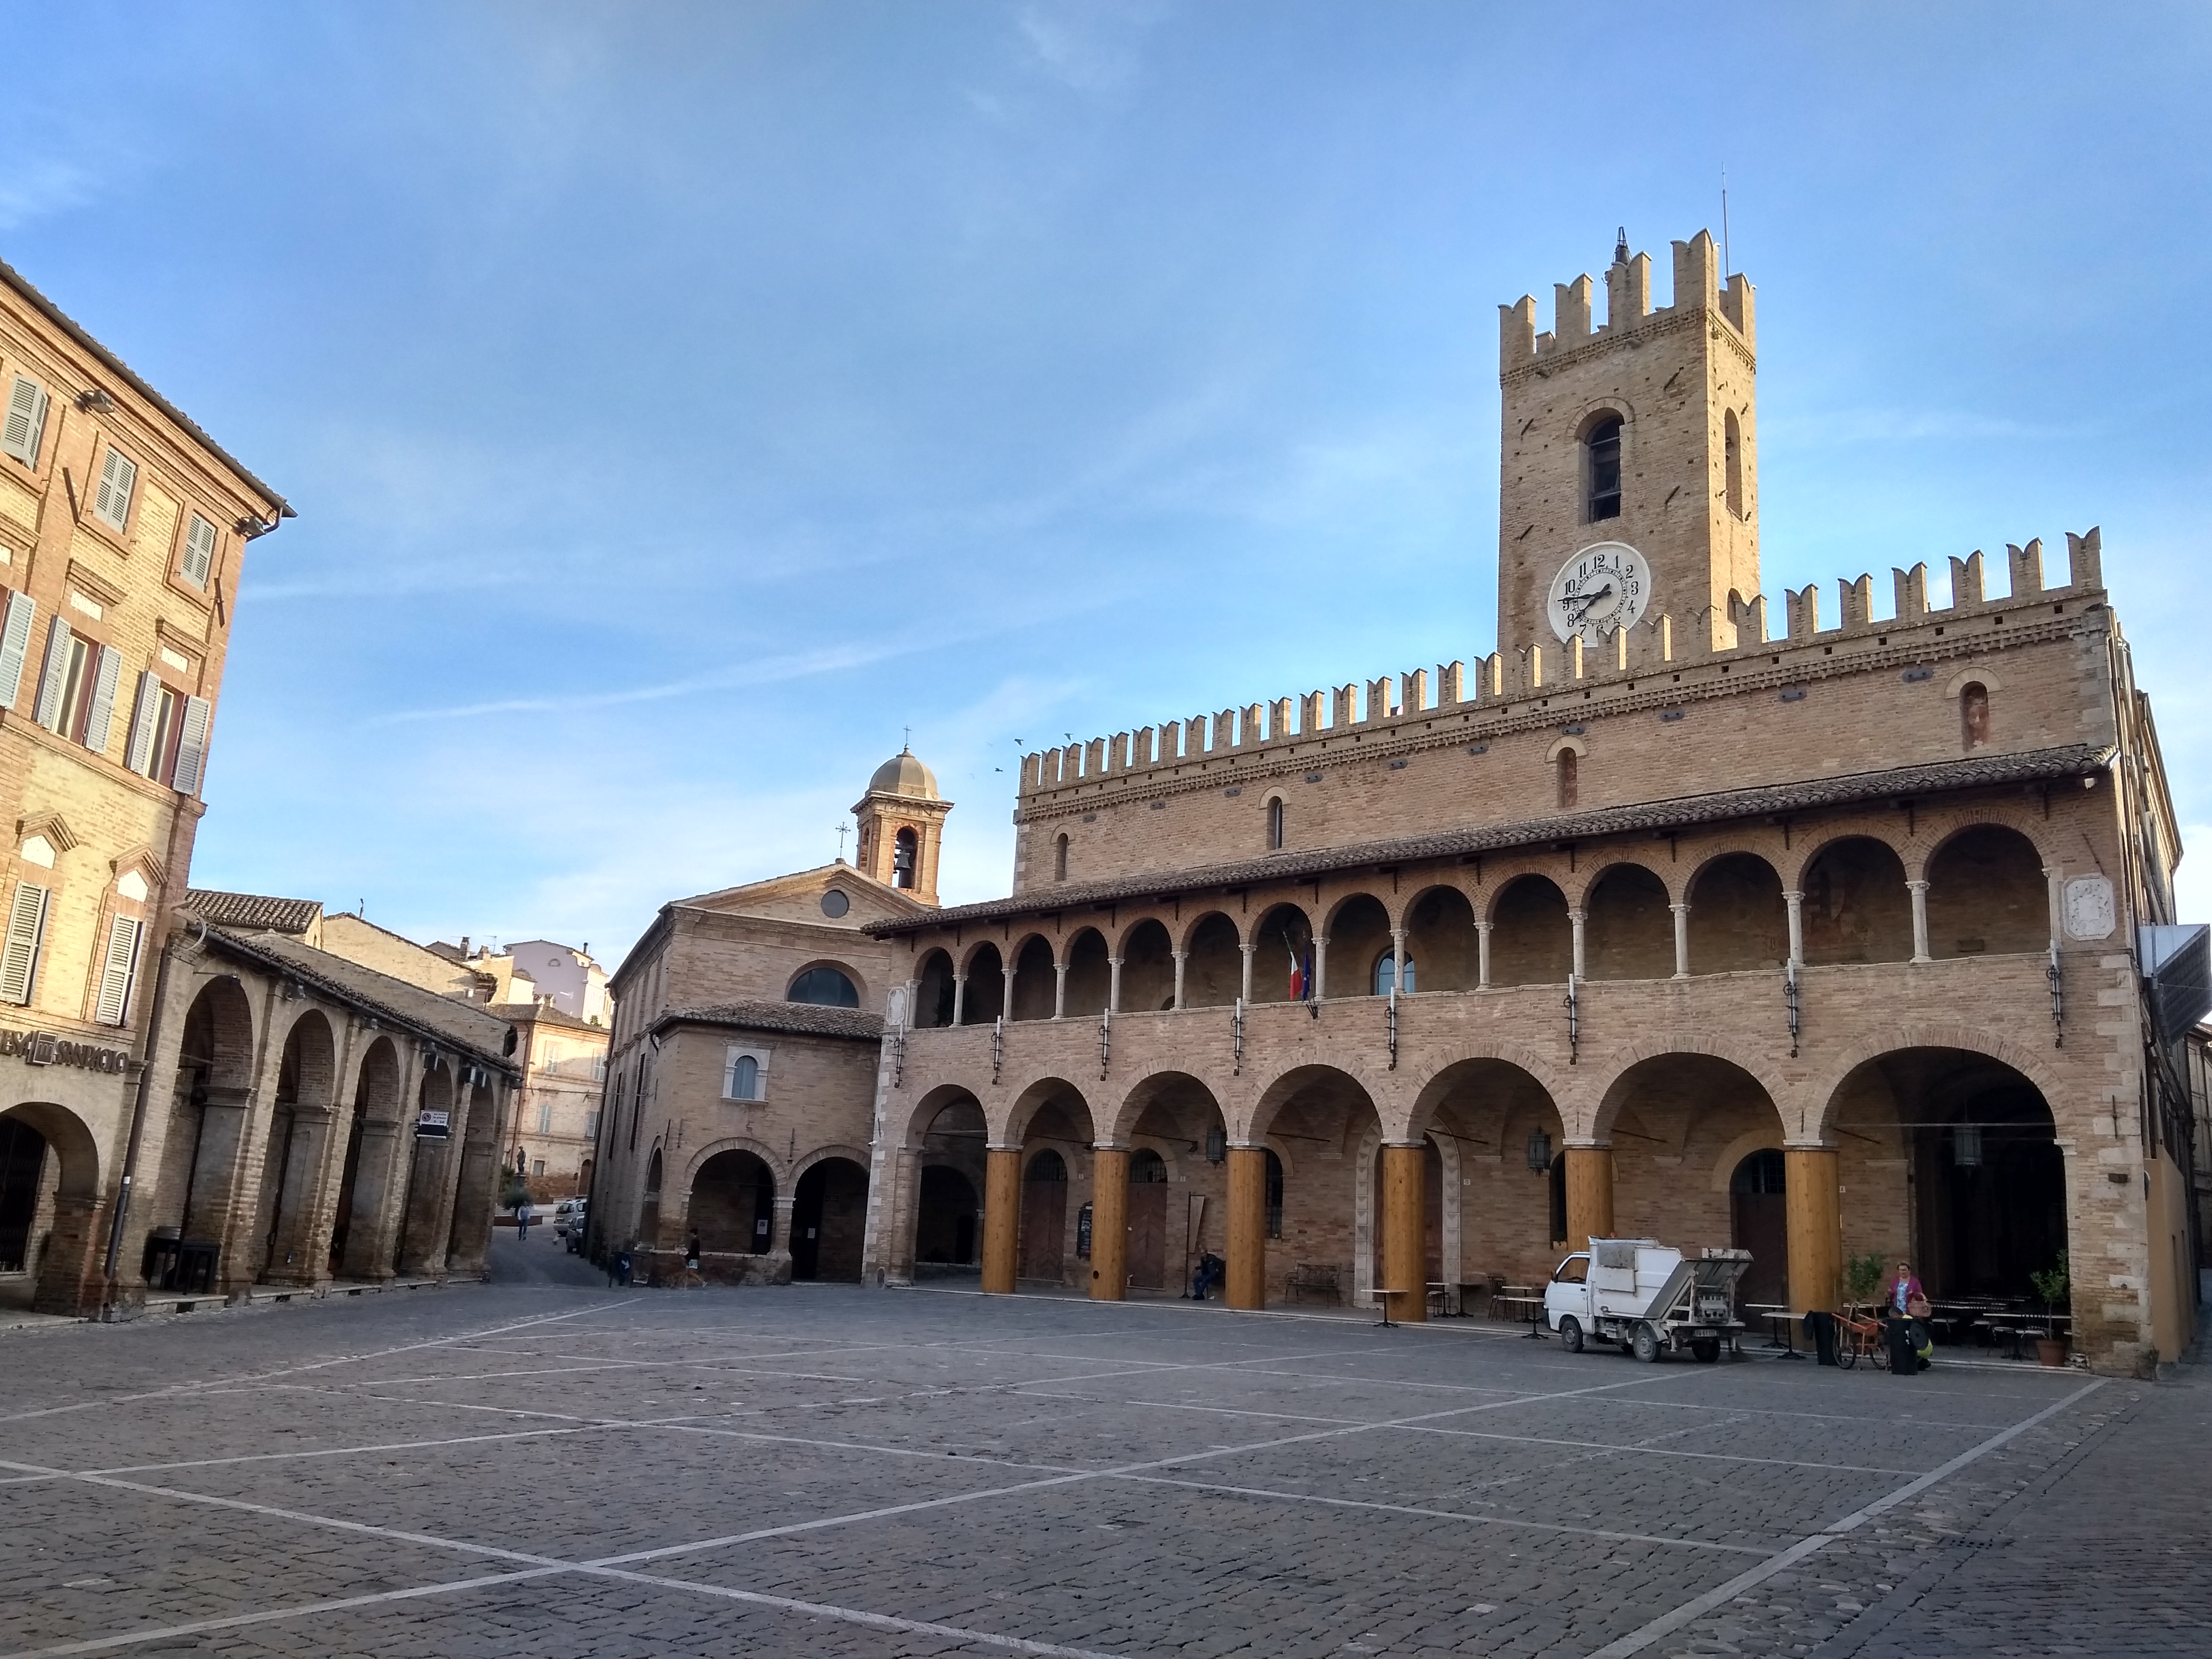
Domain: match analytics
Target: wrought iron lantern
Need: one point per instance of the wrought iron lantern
(1966, 1146)
(1539, 1150)
(1217, 1145)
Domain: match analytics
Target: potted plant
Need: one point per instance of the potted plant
(2054, 1286)
(1863, 1275)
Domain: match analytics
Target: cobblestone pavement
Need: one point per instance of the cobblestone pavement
(546, 1469)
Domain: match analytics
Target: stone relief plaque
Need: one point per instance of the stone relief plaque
(2087, 901)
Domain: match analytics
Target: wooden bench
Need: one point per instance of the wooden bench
(1312, 1279)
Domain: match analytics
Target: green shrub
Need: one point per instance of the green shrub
(1862, 1273)
(2054, 1286)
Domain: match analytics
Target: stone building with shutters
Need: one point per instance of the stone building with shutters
(564, 1062)
(123, 527)
(1821, 936)
(747, 1060)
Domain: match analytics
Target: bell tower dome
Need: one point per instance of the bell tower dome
(1629, 484)
(901, 820)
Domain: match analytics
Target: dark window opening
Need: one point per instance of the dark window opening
(825, 987)
(1060, 860)
(1274, 825)
(1275, 1194)
(1974, 715)
(1569, 778)
(1603, 445)
(1559, 1174)
(905, 851)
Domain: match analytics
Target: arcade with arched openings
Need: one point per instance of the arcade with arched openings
(949, 1204)
(293, 1161)
(49, 1181)
(732, 1208)
(373, 1133)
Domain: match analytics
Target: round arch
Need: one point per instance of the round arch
(1282, 948)
(933, 989)
(1627, 931)
(924, 1112)
(1531, 936)
(1987, 894)
(1327, 1085)
(72, 1143)
(1089, 973)
(306, 1069)
(1054, 1095)
(1035, 978)
(1739, 921)
(814, 984)
(1856, 906)
(218, 1039)
(1213, 961)
(1174, 1091)
(1708, 1061)
(1147, 967)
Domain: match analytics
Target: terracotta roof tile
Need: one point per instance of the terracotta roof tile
(801, 1018)
(282, 915)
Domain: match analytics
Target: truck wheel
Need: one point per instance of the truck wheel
(1646, 1343)
(1707, 1349)
(1571, 1334)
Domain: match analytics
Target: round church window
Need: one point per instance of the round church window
(835, 903)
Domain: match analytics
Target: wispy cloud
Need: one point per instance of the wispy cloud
(42, 189)
(1093, 46)
(1891, 426)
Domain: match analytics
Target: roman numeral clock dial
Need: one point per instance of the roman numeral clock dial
(1607, 585)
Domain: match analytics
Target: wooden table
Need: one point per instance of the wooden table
(1383, 1296)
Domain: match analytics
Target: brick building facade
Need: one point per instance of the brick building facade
(1817, 939)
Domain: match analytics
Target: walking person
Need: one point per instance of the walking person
(522, 1221)
(692, 1277)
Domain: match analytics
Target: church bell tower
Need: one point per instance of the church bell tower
(901, 822)
(1629, 486)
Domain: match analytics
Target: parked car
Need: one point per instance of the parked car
(574, 1236)
(564, 1214)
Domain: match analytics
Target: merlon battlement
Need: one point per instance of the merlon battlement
(1658, 643)
(1698, 287)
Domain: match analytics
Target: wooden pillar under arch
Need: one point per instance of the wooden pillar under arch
(1246, 1283)
(1405, 1250)
(1816, 1231)
(1002, 1215)
(1110, 1222)
(1589, 1194)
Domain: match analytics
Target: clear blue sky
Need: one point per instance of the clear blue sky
(681, 401)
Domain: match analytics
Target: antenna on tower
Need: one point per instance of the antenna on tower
(1727, 265)
(1620, 246)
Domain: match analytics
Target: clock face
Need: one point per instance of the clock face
(1607, 585)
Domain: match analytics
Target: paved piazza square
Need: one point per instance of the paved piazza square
(556, 1469)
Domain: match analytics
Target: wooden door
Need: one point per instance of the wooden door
(1762, 1226)
(1148, 1235)
(1044, 1222)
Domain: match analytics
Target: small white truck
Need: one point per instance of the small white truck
(1647, 1297)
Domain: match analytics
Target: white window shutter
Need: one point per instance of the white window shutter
(200, 550)
(119, 477)
(100, 717)
(192, 746)
(116, 969)
(15, 646)
(53, 679)
(26, 421)
(18, 956)
(138, 752)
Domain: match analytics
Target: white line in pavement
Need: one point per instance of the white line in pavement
(1668, 1623)
(1449, 1515)
(205, 1384)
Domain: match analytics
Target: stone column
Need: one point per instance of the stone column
(1002, 1201)
(1320, 967)
(1398, 958)
(1006, 992)
(1114, 984)
(216, 1172)
(370, 1241)
(1248, 976)
(1919, 891)
(959, 997)
(1577, 917)
(1180, 956)
(69, 1266)
(1060, 990)
(1482, 956)
(1404, 1251)
(1589, 1194)
(1682, 941)
(298, 1199)
(779, 1234)
(1110, 1222)
(1246, 1284)
(1816, 1221)
(2055, 898)
(1796, 901)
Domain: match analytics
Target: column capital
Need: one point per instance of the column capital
(1248, 1145)
(1577, 915)
(993, 1146)
(1111, 1146)
(1682, 908)
(1919, 886)
(1788, 1146)
(1793, 895)
(1585, 1145)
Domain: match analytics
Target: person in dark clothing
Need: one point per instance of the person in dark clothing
(1208, 1275)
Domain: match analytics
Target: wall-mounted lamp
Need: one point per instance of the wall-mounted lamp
(1539, 1150)
(1217, 1145)
(1966, 1146)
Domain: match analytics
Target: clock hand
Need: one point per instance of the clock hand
(1589, 601)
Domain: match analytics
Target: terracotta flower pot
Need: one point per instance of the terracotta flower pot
(2050, 1350)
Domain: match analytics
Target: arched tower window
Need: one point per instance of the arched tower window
(1275, 824)
(1601, 469)
(1973, 714)
(1570, 765)
(1732, 449)
(905, 859)
(1059, 858)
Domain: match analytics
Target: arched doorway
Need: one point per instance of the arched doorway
(732, 1203)
(948, 1206)
(1044, 1216)
(49, 1185)
(1497, 1214)
(1986, 1197)
(293, 1158)
(945, 1230)
(1759, 1222)
(1679, 1124)
(828, 1215)
(1148, 1220)
(1329, 1128)
(23, 1189)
